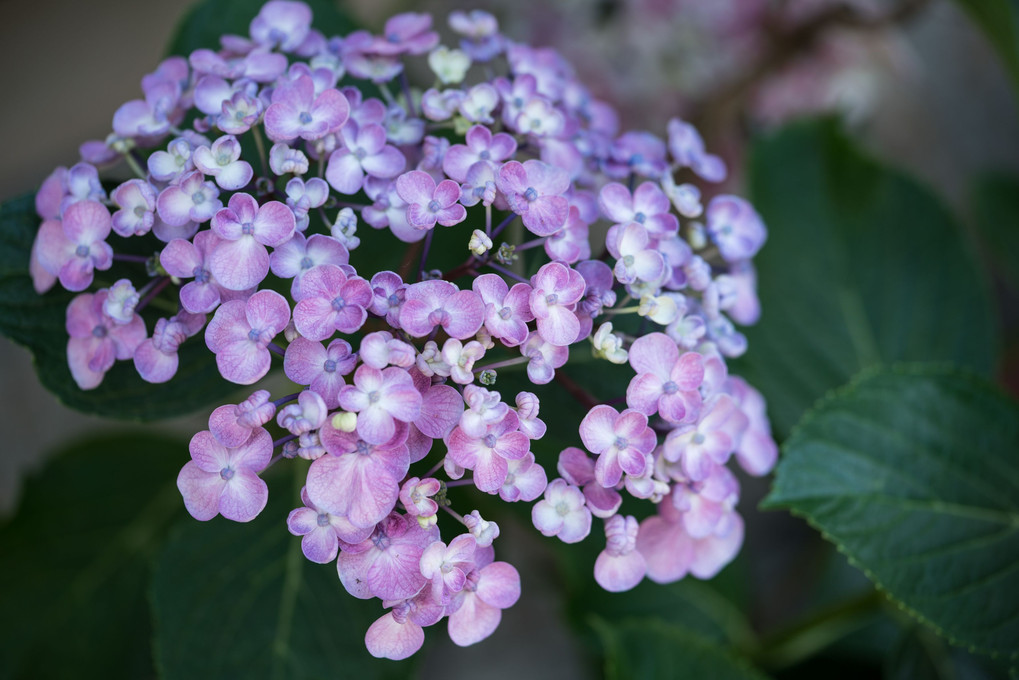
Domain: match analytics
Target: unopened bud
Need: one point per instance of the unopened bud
(480, 243)
(344, 421)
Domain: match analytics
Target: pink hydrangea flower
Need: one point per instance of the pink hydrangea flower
(297, 111)
(221, 480)
(156, 358)
(535, 191)
(240, 332)
(666, 382)
(97, 340)
(621, 440)
(562, 513)
(477, 608)
(428, 202)
(241, 260)
(330, 301)
(488, 454)
(72, 248)
(620, 566)
(440, 303)
(232, 424)
(322, 369)
(380, 398)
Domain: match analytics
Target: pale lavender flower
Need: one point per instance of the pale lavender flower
(96, 340)
(240, 333)
(388, 295)
(330, 301)
(647, 206)
(365, 151)
(507, 310)
(479, 103)
(757, 451)
(171, 165)
(303, 196)
(621, 441)
(71, 249)
(406, 33)
(416, 496)
(283, 160)
(635, 258)
(641, 153)
(570, 243)
(296, 111)
(319, 530)
(687, 149)
(735, 227)
(620, 566)
(461, 359)
(320, 368)
(380, 398)
(527, 410)
(544, 358)
(184, 259)
(666, 382)
(577, 468)
(309, 413)
(534, 190)
(447, 566)
(479, 187)
(481, 33)
(488, 455)
(389, 210)
(562, 513)
(439, 303)
(224, 481)
(479, 145)
(223, 161)
(525, 480)
(121, 301)
(300, 255)
(381, 349)
(709, 442)
(428, 203)
(156, 358)
(477, 609)
(192, 200)
(137, 202)
(281, 24)
(241, 260)
(556, 289)
(232, 424)
(484, 408)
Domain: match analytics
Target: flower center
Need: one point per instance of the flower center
(338, 303)
(248, 228)
(670, 387)
(621, 443)
(139, 211)
(360, 154)
(306, 263)
(198, 198)
(329, 366)
(305, 118)
(490, 441)
(226, 474)
(322, 520)
(374, 397)
(201, 275)
(552, 299)
(99, 332)
(81, 251)
(484, 155)
(531, 194)
(505, 313)
(363, 447)
(639, 218)
(698, 438)
(433, 206)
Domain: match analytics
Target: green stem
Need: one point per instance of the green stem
(802, 640)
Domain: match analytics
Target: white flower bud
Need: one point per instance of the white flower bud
(449, 65)
(661, 309)
(607, 345)
(344, 421)
(480, 243)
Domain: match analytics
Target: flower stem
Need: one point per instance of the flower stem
(506, 272)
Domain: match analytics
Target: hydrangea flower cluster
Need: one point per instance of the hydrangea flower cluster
(577, 238)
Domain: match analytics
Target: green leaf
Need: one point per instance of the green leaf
(37, 322)
(999, 20)
(996, 208)
(241, 600)
(648, 648)
(912, 473)
(75, 560)
(863, 266)
(920, 655)
(206, 21)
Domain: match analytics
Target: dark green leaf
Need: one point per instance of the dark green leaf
(241, 600)
(75, 560)
(862, 266)
(207, 20)
(37, 322)
(912, 472)
(996, 207)
(999, 20)
(648, 648)
(920, 655)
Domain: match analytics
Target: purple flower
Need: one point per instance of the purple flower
(570, 243)
(241, 260)
(221, 480)
(281, 23)
(407, 33)
(97, 340)
(648, 207)
(439, 303)
(556, 291)
(577, 468)
(481, 145)
(320, 368)
(365, 151)
(309, 413)
(388, 294)
(544, 358)
(416, 496)
(477, 608)
(622, 442)
(387, 564)
(232, 424)
(525, 480)
(303, 196)
(381, 349)
(380, 398)
(735, 227)
(319, 529)
(706, 506)
(534, 191)
(72, 248)
(223, 161)
(300, 255)
(428, 203)
(389, 210)
(709, 442)
(330, 301)
(489, 453)
(635, 259)
(562, 513)
(507, 310)
(156, 358)
(184, 259)
(687, 148)
(240, 333)
(757, 451)
(665, 383)
(527, 410)
(284, 160)
(192, 200)
(620, 566)
(641, 153)
(137, 202)
(447, 566)
(297, 112)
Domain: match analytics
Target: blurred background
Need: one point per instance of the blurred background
(915, 81)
